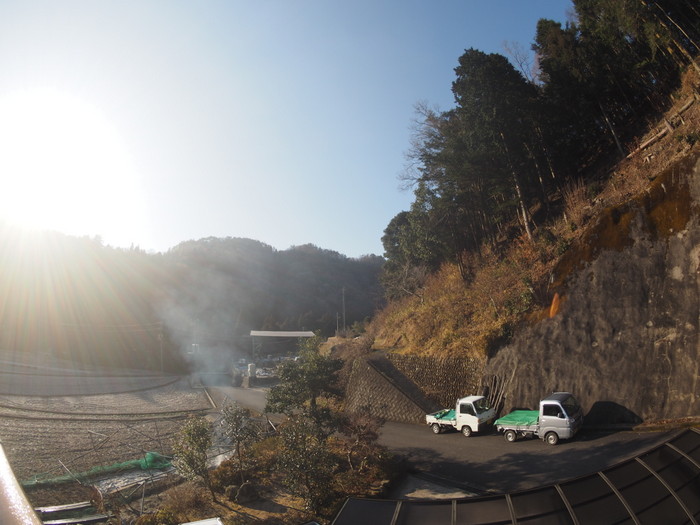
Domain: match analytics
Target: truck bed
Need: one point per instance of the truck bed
(518, 418)
(446, 414)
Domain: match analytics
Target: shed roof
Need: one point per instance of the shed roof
(280, 333)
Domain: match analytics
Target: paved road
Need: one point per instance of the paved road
(485, 462)
(253, 398)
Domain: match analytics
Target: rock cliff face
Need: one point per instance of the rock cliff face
(625, 337)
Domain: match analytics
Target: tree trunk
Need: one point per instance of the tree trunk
(518, 192)
(611, 128)
(681, 48)
(526, 215)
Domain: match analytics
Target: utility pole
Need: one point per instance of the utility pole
(343, 311)
(160, 340)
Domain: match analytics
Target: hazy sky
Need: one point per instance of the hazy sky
(155, 122)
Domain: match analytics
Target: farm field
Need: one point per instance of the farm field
(57, 422)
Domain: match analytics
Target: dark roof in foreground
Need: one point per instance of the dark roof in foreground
(660, 486)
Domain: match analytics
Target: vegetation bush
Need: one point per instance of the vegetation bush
(160, 517)
(264, 454)
(348, 351)
(191, 447)
(458, 317)
(184, 502)
(227, 473)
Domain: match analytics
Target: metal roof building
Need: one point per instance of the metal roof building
(280, 333)
(661, 486)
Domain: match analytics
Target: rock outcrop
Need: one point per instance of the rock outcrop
(624, 338)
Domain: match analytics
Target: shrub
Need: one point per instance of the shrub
(224, 475)
(306, 462)
(265, 451)
(184, 498)
(160, 517)
(191, 447)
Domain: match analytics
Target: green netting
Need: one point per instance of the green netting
(151, 460)
(154, 460)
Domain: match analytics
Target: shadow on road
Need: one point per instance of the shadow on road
(488, 463)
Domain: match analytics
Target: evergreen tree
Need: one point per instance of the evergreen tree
(191, 451)
(302, 384)
(306, 461)
(240, 430)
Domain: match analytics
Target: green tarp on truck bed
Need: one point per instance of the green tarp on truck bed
(446, 414)
(519, 418)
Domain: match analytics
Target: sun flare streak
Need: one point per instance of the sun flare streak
(65, 167)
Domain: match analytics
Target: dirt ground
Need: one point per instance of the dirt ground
(46, 437)
(57, 422)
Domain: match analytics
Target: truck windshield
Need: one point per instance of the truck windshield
(481, 405)
(571, 406)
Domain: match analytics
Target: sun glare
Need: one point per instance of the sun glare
(64, 167)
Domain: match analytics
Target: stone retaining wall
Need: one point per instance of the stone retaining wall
(405, 388)
(370, 390)
(443, 380)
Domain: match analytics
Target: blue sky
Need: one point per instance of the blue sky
(152, 122)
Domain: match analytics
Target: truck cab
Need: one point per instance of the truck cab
(470, 415)
(560, 417)
(473, 412)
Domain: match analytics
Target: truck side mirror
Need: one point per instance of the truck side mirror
(560, 415)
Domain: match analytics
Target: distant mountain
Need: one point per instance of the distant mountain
(77, 299)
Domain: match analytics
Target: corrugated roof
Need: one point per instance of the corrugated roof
(279, 333)
(659, 486)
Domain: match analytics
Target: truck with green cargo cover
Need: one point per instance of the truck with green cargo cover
(559, 417)
(470, 414)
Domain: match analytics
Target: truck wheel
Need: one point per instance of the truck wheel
(510, 436)
(436, 428)
(551, 438)
(466, 431)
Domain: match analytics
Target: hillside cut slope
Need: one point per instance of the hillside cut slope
(625, 336)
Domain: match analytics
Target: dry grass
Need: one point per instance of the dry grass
(517, 283)
(576, 202)
(469, 318)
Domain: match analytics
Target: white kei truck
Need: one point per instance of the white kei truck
(469, 415)
(559, 417)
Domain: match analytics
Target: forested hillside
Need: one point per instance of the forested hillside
(78, 299)
(508, 180)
